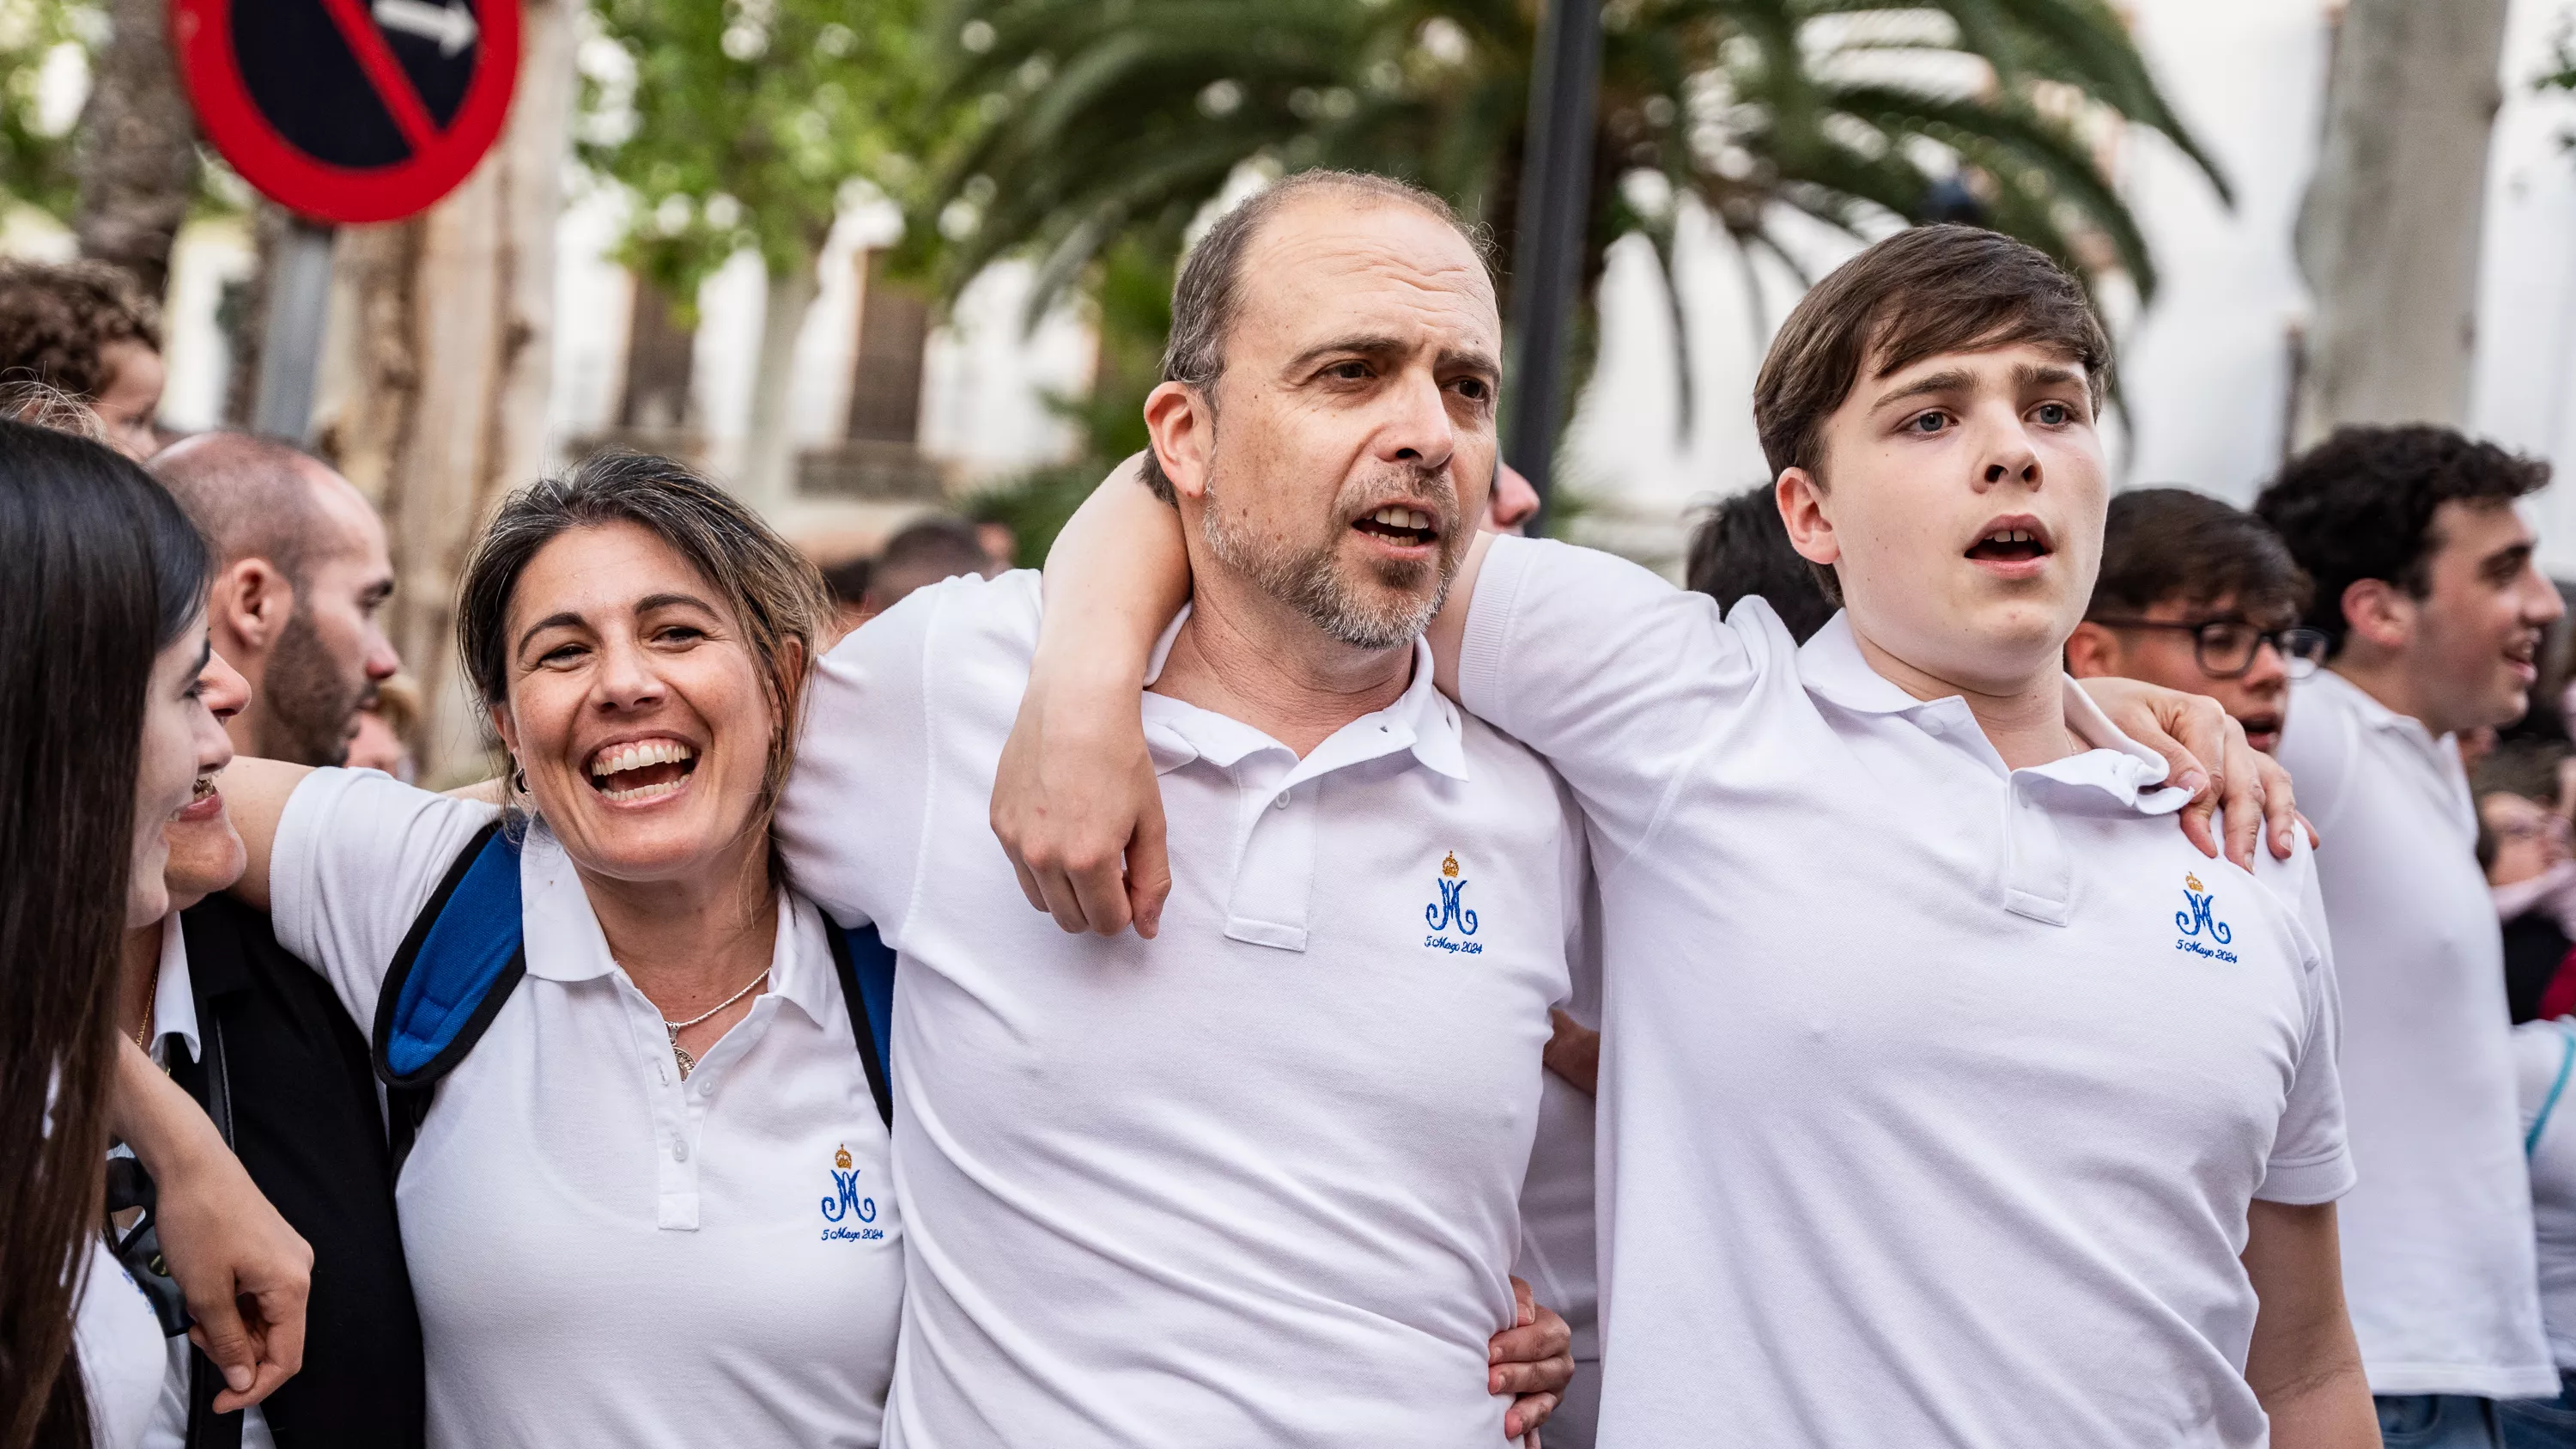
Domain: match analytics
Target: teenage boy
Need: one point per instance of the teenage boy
(2427, 591)
(1950, 1097)
(2198, 595)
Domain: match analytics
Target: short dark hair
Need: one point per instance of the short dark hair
(922, 553)
(1922, 292)
(1208, 293)
(847, 581)
(1741, 549)
(2360, 505)
(57, 317)
(2164, 545)
(250, 495)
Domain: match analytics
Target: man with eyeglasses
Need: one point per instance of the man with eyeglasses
(2427, 587)
(2199, 596)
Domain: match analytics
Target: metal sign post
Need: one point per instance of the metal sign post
(290, 344)
(1555, 209)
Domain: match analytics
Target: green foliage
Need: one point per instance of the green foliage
(740, 123)
(35, 158)
(1131, 295)
(1103, 119)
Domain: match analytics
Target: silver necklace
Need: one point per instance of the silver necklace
(674, 1028)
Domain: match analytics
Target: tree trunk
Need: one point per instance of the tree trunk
(2388, 231)
(137, 149)
(768, 480)
(437, 368)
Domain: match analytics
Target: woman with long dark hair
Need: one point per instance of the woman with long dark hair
(102, 740)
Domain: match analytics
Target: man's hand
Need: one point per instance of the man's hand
(1532, 1361)
(245, 1272)
(1573, 1051)
(1078, 808)
(2190, 731)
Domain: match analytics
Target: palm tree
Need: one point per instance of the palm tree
(1111, 120)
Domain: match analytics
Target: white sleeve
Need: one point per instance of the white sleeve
(358, 854)
(854, 821)
(1618, 678)
(2311, 1161)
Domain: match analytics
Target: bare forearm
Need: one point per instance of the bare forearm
(1116, 575)
(2303, 1363)
(169, 1132)
(2331, 1410)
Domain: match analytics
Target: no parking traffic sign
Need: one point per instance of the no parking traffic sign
(350, 110)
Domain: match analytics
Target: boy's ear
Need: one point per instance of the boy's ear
(1802, 511)
(2092, 651)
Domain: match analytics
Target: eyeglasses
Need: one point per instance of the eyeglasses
(2226, 648)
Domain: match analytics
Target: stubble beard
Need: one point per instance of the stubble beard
(1311, 579)
(310, 705)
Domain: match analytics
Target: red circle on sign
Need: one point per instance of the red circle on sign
(201, 33)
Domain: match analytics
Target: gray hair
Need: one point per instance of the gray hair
(1208, 293)
(775, 593)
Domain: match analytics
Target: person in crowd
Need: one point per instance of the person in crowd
(1511, 503)
(81, 329)
(2426, 591)
(301, 574)
(106, 739)
(922, 553)
(2544, 1051)
(1257, 1182)
(2523, 845)
(385, 725)
(2200, 596)
(639, 640)
(846, 583)
(1955, 1195)
(1742, 550)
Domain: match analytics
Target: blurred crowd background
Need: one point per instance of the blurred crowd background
(892, 265)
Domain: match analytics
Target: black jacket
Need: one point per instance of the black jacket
(286, 1079)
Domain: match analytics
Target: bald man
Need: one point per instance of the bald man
(301, 572)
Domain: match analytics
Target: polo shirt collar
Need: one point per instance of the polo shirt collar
(2374, 714)
(1421, 720)
(174, 998)
(1831, 666)
(564, 943)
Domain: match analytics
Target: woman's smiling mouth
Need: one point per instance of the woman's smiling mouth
(637, 771)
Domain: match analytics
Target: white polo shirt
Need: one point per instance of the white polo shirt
(2437, 1240)
(1558, 1243)
(1252, 1183)
(1935, 1093)
(2544, 1057)
(174, 1029)
(603, 1253)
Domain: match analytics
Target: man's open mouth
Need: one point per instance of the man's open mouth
(1410, 527)
(642, 770)
(2010, 545)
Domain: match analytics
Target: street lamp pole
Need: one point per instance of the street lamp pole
(1555, 209)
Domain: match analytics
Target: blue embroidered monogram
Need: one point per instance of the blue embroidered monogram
(845, 1207)
(2198, 919)
(1447, 913)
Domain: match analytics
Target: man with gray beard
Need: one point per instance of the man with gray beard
(1249, 1177)
(301, 570)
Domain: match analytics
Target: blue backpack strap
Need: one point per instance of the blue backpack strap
(866, 965)
(457, 966)
(2549, 1104)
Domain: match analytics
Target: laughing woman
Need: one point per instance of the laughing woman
(615, 1203)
